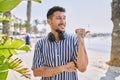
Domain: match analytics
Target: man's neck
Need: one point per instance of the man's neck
(56, 35)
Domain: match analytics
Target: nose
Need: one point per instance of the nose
(63, 21)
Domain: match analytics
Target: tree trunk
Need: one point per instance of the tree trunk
(28, 16)
(20, 27)
(6, 24)
(115, 49)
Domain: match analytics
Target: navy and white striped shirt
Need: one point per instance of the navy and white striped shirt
(57, 53)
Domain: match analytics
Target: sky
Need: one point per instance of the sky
(93, 15)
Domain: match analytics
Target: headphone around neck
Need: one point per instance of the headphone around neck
(51, 37)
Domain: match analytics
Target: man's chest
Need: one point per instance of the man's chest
(57, 54)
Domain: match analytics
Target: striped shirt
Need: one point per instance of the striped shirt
(57, 53)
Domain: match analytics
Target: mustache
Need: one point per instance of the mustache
(61, 24)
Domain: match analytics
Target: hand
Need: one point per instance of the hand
(81, 32)
(69, 67)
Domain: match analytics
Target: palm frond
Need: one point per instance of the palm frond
(16, 65)
(7, 5)
(8, 47)
(37, 1)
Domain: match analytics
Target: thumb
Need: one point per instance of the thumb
(87, 32)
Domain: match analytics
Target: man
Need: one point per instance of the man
(27, 39)
(58, 55)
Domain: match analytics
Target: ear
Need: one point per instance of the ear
(49, 21)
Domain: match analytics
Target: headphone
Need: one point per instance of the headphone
(51, 37)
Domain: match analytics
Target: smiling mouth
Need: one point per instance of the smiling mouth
(62, 26)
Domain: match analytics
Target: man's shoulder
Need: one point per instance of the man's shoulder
(42, 39)
(70, 35)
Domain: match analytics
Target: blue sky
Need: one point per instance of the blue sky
(93, 15)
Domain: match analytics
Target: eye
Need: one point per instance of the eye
(64, 17)
(58, 18)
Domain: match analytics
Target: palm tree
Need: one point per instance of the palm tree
(20, 24)
(16, 26)
(6, 24)
(115, 49)
(5, 7)
(28, 28)
(28, 16)
(35, 29)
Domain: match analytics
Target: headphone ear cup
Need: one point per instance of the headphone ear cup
(61, 36)
(51, 37)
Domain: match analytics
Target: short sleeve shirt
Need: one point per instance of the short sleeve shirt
(57, 53)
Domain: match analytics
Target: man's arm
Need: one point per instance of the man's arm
(51, 71)
(82, 58)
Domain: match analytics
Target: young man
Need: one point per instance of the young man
(57, 56)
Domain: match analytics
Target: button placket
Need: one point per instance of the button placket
(57, 54)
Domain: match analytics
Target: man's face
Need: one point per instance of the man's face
(58, 21)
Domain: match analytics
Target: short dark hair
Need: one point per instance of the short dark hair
(54, 9)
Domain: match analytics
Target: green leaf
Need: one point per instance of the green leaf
(9, 47)
(2, 41)
(3, 35)
(8, 41)
(1, 53)
(4, 18)
(37, 1)
(16, 65)
(6, 53)
(7, 5)
(17, 43)
(1, 60)
(4, 69)
(12, 51)
(27, 48)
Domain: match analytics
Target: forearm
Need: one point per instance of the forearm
(82, 59)
(47, 71)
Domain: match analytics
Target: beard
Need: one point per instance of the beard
(61, 27)
(59, 31)
(60, 34)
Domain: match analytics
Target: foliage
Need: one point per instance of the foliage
(16, 65)
(7, 5)
(8, 48)
(4, 18)
(37, 1)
